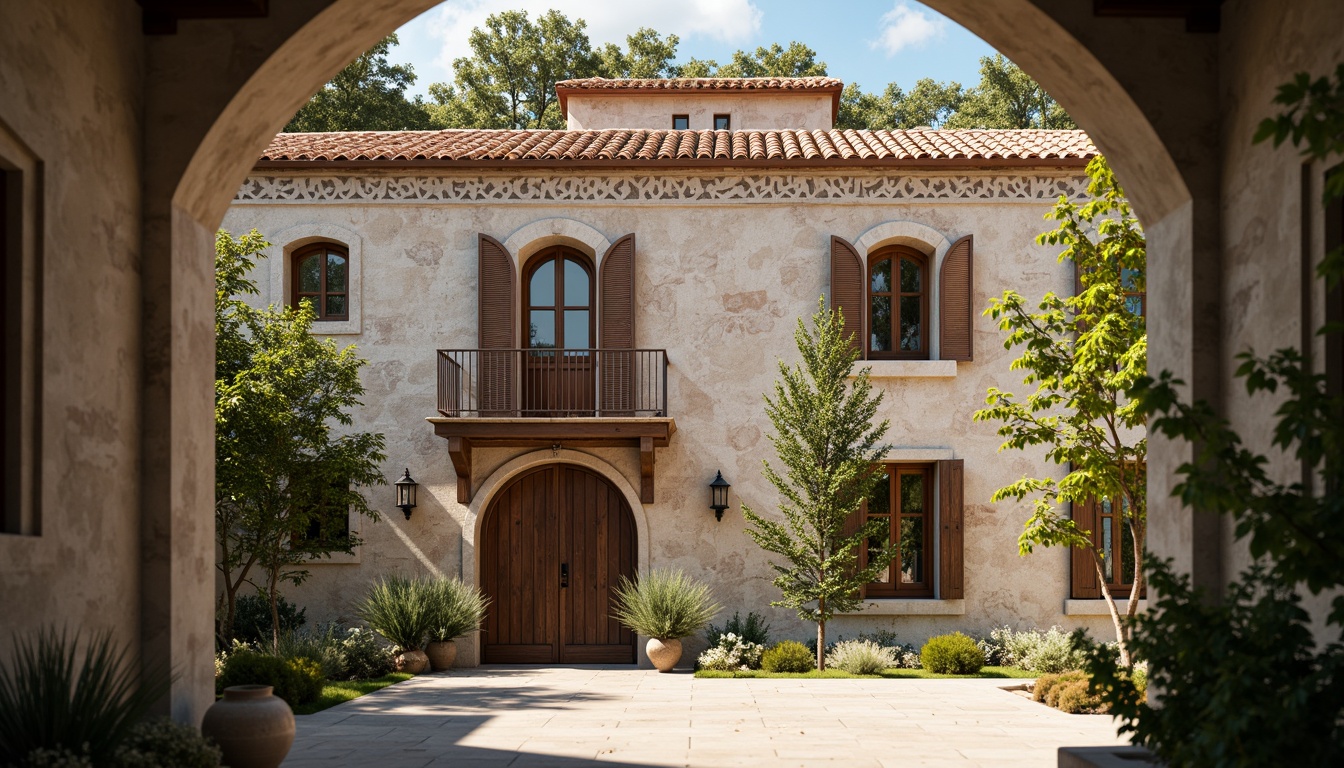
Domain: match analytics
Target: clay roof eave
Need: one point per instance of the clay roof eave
(684, 163)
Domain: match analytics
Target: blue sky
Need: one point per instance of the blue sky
(872, 42)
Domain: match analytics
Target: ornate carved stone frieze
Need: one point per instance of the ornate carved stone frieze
(654, 188)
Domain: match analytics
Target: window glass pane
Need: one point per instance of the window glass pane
(912, 494)
(880, 321)
(721, 122)
(880, 276)
(1105, 506)
(576, 285)
(910, 323)
(1129, 279)
(541, 328)
(1108, 562)
(875, 545)
(310, 274)
(335, 305)
(680, 122)
(542, 290)
(336, 271)
(1134, 305)
(880, 502)
(912, 550)
(576, 329)
(910, 276)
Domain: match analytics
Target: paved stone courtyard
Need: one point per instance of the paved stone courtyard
(620, 716)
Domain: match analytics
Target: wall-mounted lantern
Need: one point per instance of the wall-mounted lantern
(718, 495)
(406, 493)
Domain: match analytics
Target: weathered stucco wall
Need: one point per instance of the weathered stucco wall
(719, 286)
(762, 111)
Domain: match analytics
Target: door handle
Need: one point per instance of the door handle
(564, 575)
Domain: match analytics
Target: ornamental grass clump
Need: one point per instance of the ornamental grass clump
(789, 656)
(861, 657)
(954, 654)
(664, 604)
(732, 653)
(400, 609)
(455, 609)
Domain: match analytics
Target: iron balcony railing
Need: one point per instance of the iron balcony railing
(553, 382)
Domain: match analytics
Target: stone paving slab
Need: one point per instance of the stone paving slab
(528, 717)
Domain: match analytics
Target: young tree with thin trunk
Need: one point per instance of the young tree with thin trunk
(1085, 354)
(827, 443)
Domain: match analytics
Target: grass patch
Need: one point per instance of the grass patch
(334, 693)
(894, 674)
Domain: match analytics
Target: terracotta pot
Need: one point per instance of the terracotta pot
(253, 728)
(413, 662)
(664, 653)
(441, 654)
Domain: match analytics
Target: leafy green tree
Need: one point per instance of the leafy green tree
(929, 104)
(1085, 354)
(797, 60)
(1007, 97)
(827, 444)
(281, 395)
(368, 95)
(1248, 678)
(647, 54)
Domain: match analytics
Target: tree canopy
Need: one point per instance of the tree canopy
(368, 95)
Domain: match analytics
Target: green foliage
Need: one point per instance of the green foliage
(1314, 117)
(1086, 355)
(753, 629)
(337, 692)
(252, 618)
(297, 680)
(322, 647)
(1047, 682)
(72, 698)
(797, 60)
(368, 95)
(400, 609)
(161, 743)
(953, 654)
(1076, 698)
(281, 396)
(365, 656)
(731, 652)
(1007, 97)
(1049, 651)
(663, 604)
(860, 657)
(455, 609)
(60, 757)
(788, 656)
(827, 444)
(647, 54)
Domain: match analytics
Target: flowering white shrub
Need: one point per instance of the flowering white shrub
(1050, 651)
(861, 657)
(732, 653)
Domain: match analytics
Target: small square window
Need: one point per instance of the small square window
(681, 122)
(721, 123)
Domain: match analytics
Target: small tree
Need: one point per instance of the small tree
(280, 394)
(1085, 354)
(828, 445)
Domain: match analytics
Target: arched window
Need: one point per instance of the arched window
(558, 296)
(898, 304)
(322, 275)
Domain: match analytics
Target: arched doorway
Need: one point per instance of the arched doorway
(554, 542)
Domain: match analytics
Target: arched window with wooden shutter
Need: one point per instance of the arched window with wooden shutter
(496, 304)
(956, 327)
(616, 328)
(847, 289)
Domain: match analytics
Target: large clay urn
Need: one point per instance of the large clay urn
(253, 728)
(413, 662)
(664, 653)
(441, 654)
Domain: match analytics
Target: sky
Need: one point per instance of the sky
(871, 42)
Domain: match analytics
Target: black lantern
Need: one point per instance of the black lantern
(406, 493)
(718, 495)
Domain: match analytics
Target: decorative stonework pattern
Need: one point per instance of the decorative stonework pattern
(655, 188)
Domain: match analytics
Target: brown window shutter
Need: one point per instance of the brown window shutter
(956, 284)
(616, 327)
(1084, 568)
(496, 302)
(847, 294)
(852, 525)
(951, 562)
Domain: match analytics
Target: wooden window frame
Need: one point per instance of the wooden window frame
(896, 253)
(686, 118)
(727, 122)
(320, 298)
(328, 513)
(1083, 577)
(558, 253)
(894, 587)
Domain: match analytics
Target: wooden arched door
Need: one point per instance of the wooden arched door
(554, 544)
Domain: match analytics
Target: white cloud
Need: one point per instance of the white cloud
(905, 27)
(728, 21)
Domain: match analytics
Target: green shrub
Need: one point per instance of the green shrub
(1139, 676)
(71, 704)
(322, 646)
(365, 655)
(753, 629)
(1050, 651)
(399, 609)
(860, 657)
(666, 604)
(731, 653)
(1076, 698)
(455, 609)
(161, 743)
(252, 618)
(788, 656)
(297, 681)
(59, 757)
(954, 654)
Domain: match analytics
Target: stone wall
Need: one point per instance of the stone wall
(761, 111)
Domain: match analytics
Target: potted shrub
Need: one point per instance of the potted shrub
(400, 609)
(664, 606)
(456, 609)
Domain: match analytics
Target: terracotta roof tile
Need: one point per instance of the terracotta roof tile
(576, 149)
(702, 84)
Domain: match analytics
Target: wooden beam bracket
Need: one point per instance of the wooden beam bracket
(459, 450)
(646, 470)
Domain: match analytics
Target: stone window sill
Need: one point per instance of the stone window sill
(909, 607)
(908, 369)
(1097, 607)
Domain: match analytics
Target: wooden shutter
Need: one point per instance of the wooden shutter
(496, 303)
(1084, 568)
(852, 525)
(847, 294)
(951, 562)
(616, 327)
(956, 285)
